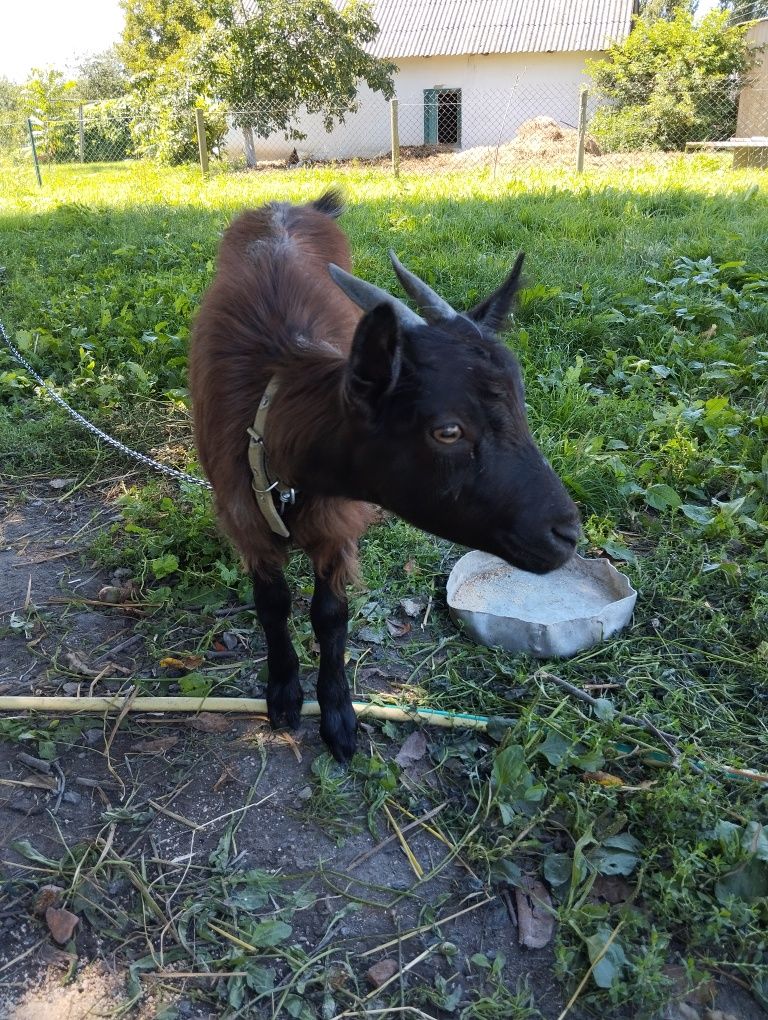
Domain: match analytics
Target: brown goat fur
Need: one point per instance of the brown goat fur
(273, 308)
(423, 414)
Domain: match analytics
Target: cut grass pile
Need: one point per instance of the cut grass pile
(643, 334)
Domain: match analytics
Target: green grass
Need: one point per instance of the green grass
(643, 337)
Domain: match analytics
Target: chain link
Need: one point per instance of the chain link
(165, 469)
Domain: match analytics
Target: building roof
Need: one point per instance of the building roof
(431, 28)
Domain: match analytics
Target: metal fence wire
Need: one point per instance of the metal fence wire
(97, 133)
(548, 125)
(436, 131)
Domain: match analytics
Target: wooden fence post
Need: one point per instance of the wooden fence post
(582, 130)
(394, 127)
(202, 144)
(81, 132)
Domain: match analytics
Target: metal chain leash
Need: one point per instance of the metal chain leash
(166, 469)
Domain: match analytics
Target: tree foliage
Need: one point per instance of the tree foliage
(290, 54)
(671, 82)
(11, 121)
(158, 30)
(101, 76)
(267, 62)
(10, 97)
(48, 94)
(653, 10)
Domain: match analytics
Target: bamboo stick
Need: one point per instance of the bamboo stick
(257, 706)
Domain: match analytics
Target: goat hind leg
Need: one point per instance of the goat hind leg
(273, 607)
(338, 722)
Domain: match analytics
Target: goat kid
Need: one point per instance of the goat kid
(422, 414)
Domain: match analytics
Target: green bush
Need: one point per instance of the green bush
(163, 124)
(671, 82)
(107, 131)
(106, 135)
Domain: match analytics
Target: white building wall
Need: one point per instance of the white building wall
(499, 92)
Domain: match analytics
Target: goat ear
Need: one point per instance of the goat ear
(492, 313)
(376, 357)
(331, 203)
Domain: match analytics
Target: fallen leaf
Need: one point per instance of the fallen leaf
(412, 607)
(414, 748)
(535, 921)
(410, 566)
(398, 628)
(47, 896)
(157, 746)
(188, 662)
(76, 664)
(61, 923)
(61, 483)
(611, 888)
(210, 722)
(603, 778)
(56, 957)
(381, 972)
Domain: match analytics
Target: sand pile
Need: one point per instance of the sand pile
(544, 135)
(539, 137)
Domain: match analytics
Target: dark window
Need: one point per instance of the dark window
(442, 116)
(449, 116)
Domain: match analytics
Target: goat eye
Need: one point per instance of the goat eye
(448, 433)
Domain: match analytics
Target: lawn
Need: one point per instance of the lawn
(643, 335)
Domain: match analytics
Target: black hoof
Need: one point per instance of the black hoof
(338, 728)
(284, 707)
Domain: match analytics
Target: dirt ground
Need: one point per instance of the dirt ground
(153, 798)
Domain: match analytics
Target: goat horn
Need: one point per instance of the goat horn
(367, 295)
(430, 304)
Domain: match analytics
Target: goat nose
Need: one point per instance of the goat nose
(566, 532)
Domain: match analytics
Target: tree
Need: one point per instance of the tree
(156, 30)
(101, 76)
(48, 93)
(671, 82)
(653, 10)
(12, 131)
(50, 96)
(159, 47)
(266, 61)
(289, 55)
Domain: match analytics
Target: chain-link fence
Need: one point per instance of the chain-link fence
(550, 125)
(89, 133)
(439, 130)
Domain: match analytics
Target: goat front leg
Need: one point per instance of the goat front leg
(273, 607)
(338, 722)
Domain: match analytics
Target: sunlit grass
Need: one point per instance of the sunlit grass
(649, 397)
